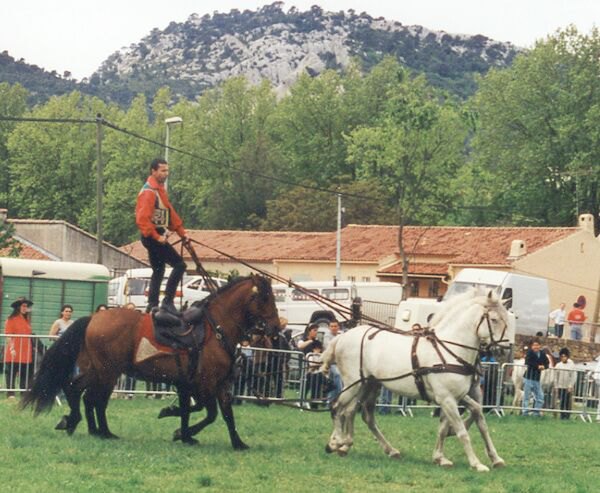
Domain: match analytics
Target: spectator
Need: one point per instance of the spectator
(243, 382)
(564, 381)
(278, 360)
(576, 318)
(489, 378)
(335, 379)
(315, 380)
(536, 361)
(17, 353)
(63, 323)
(596, 376)
(307, 344)
(558, 316)
(261, 378)
(101, 307)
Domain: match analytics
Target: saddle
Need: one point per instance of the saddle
(184, 331)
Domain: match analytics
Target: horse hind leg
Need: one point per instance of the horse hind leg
(438, 452)
(368, 416)
(101, 403)
(450, 409)
(343, 414)
(69, 422)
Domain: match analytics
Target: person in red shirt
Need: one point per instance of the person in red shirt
(576, 317)
(17, 353)
(155, 216)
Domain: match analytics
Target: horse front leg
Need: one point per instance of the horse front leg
(343, 413)
(211, 416)
(368, 416)
(450, 408)
(224, 397)
(69, 422)
(477, 413)
(438, 452)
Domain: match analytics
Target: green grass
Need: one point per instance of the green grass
(286, 454)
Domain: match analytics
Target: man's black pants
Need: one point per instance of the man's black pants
(159, 255)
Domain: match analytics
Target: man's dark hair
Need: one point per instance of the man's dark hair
(534, 340)
(157, 162)
(564, 351)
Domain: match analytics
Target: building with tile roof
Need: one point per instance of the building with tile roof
(563, 255)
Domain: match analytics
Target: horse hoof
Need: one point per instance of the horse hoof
(328, 449)
(443, 462)
(498, 464)
(190, 441)
(177, 435)
(342, 453)
(62, 424)
(109, 436)
(481, 468)
(394, 454)
(169, 411)
(240, 446)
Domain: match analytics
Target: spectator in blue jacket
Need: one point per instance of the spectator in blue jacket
(536, 361)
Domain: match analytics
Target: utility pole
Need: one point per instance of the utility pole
(338, 249)
(99, 189)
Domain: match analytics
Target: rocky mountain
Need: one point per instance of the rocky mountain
(276, 45)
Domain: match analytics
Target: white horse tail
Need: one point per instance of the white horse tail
(328, 357)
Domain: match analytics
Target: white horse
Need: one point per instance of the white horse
(437, 366)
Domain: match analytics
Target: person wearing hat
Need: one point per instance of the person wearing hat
(17, 353)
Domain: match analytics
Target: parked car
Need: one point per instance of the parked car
(195, 289)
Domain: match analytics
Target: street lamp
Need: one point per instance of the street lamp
(168, 122)
(174, 120)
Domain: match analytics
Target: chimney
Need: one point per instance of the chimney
(586, 223)
(3, 215)
(518, 248)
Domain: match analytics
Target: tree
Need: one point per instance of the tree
(52, 165)
(13, 103)
(414, 151)
(7, 240)
(537, 145)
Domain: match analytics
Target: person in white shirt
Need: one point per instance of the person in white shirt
(335, 379)
(564, 381)
(596, 376)
(558, 316)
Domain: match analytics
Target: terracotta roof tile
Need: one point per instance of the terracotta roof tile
(371, 243)
(27, 252)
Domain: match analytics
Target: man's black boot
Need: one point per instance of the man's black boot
(168, 306)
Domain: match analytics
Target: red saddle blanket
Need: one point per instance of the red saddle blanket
(146, 346)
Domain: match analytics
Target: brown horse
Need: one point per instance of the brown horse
(114, 342)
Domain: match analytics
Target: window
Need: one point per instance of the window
(298, 295)
(366, 279)
(279, 295)
(336, 293)
(136, 286)
(413, 287)
(352, 278)
(434, 289)
(507, 298)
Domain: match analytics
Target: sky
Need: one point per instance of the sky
(78, 35)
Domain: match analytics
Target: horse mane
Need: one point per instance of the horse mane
(451, 309)
(263, 287)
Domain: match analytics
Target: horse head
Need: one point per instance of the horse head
(261, 310)
(495, 328)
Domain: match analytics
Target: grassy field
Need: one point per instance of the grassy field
(286, 454)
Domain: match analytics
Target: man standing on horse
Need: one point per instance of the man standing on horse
(155, 216)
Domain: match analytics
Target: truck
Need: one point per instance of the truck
(299, 308)
(50, 284)
(526, 297)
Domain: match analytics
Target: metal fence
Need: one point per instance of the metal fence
(269, 375)
(383, 312)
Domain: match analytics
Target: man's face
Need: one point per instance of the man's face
(162, 173)
(535, 347)
(334, 328)
(564, 358)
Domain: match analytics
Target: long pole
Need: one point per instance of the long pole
(99, 189)
(338, 249)
(167, 154)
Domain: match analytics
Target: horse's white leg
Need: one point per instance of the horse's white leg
(343, 413)
(368, 416)
(477, 413)
(450, 408)
(438, 451)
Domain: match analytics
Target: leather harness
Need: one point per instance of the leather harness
(418, 372)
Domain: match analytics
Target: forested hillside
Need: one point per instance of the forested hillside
(523, 150)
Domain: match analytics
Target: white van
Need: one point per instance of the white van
(527, 297)
(298, 307)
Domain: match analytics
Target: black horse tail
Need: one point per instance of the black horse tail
(56, 368)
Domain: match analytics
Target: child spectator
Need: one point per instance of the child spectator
(564, 381)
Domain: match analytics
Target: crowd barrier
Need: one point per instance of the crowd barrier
(269, 375)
